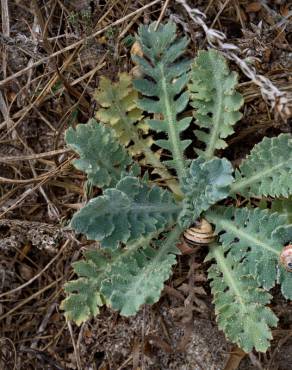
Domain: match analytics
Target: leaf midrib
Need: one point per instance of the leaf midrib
(244, 182)
(228, 226)
(158, 259)
(227, 274)
(150, 156)
(170, 118)
(158, 208)
(211, 146)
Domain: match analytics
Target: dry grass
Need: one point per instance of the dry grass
(53, 53)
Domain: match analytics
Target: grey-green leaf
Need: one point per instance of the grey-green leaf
(215, 100)
(206, 183)
(267, 171)
(83, 294)
(164, 85)
(138, 277)
(255, 237)
(123, 279)
(240, 305)
(283, 234)
(127, 212)
(284, 207)
(83, 300)
(91, 141)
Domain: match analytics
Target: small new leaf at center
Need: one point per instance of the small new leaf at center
(206, 182)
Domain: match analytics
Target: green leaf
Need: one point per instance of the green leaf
(284, 207)
(91, 141)
(254, 236)
(285, 279)
(83, 301)
(119, 109)
(165, 80)
(83, 297)
(240, 303)
(283, 234)
(138, 276)
(127, 212)
(83, 294)
(124, 279)
(206, 182)
(267, 170)
(215, 100)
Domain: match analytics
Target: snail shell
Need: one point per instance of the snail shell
(200, 234)
(286, 257)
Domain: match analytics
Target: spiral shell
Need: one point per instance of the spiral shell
(200, 234)
(286, 257)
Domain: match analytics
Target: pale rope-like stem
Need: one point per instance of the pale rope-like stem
(277, 99)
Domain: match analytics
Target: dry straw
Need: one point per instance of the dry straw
(216, 39)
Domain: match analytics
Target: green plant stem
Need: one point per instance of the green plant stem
(227, 225)
(217, 119)
(228, 274)
(151, 157)
(169, 244)
(158, 207)
(242, 183)
(162, 171)
(127, 251)
(170, 117)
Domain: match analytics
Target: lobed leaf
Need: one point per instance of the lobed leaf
(83, 295)
(138, 277)
(240, 303)
(267, 170)
(256, 237)
(283, 234)
(216, 103)
(130, 210)
(91, 141)
(124, 279)
(284, 207)
(166, 77)
(206, 182)
(80, 306)
(119, 109)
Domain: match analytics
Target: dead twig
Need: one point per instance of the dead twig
(216, 39)
(6, 32)
(37, 275)
(76, 352)
(34, 156)
(44, 179)
(165, 5)
(77, 44)
(30, 298)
